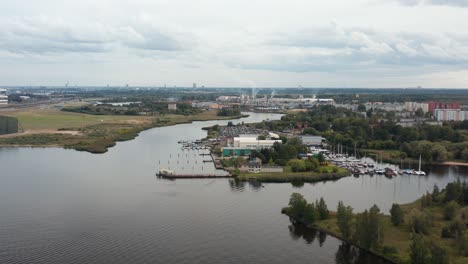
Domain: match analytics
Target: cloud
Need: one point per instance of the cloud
(456, 3)
(336, 49)
(45, 35)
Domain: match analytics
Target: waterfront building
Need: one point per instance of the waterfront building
(252, 142)
(243, 145)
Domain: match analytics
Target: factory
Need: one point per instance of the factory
(273, 103)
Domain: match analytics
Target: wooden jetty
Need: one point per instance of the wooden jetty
(192, 176)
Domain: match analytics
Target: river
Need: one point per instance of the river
(64, 206)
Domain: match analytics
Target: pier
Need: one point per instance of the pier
(192, 176)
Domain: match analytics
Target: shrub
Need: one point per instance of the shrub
(450, 210)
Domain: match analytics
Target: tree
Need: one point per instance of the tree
(462, 243)
(310, 213)
(361, 108)
(426, 200)
(419, 250)
(439, 255)
(322, 209)
(297, 165)
(435, 193)
(396, 215)
(439, 153)
(464, 154)
(362, 234)
(297, 205)
(344, 217)
(450, 210)
(421, 222)
(375, 227)
(419, 112)
(453, 191)
(321, 158)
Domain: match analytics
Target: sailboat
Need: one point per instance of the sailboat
(401, 171)
(419, 171)
(379, 165)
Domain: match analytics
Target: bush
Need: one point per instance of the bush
(450, 210)
(421, 222)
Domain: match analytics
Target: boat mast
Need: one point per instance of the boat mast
(419, 162)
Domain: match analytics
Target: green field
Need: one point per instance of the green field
(54, 119)
(92, 133)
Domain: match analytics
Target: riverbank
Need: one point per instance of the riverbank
(393, 157)
(289, 176)
(397, 240)
(91, 133)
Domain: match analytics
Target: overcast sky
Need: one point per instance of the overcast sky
(235, 43)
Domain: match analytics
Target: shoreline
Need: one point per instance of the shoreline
(291, 177)
(102, 145)
(453, 163)
(337, 236)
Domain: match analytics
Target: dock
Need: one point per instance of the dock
(192, 176)
(217, 163)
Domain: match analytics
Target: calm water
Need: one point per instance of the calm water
(64, 206)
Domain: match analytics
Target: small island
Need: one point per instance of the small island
(432, 229)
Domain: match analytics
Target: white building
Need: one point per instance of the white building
(253, 143)
(450, 115)
(172, 107)
(3, 97)
(413, 106)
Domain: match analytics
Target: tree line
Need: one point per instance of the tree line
(348, 128)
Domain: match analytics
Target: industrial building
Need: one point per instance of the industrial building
(3, 97)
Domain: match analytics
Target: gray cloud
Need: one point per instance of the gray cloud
(332, 49)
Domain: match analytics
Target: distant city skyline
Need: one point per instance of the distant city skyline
(212, 43)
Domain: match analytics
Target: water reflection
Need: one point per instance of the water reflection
(236, 185)
(297, 184)
(346, 253)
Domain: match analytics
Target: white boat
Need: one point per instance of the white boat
(419, 171)
(164, 172)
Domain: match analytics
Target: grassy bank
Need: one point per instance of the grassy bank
(325, 174)
(397, 240)
(91, 133)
